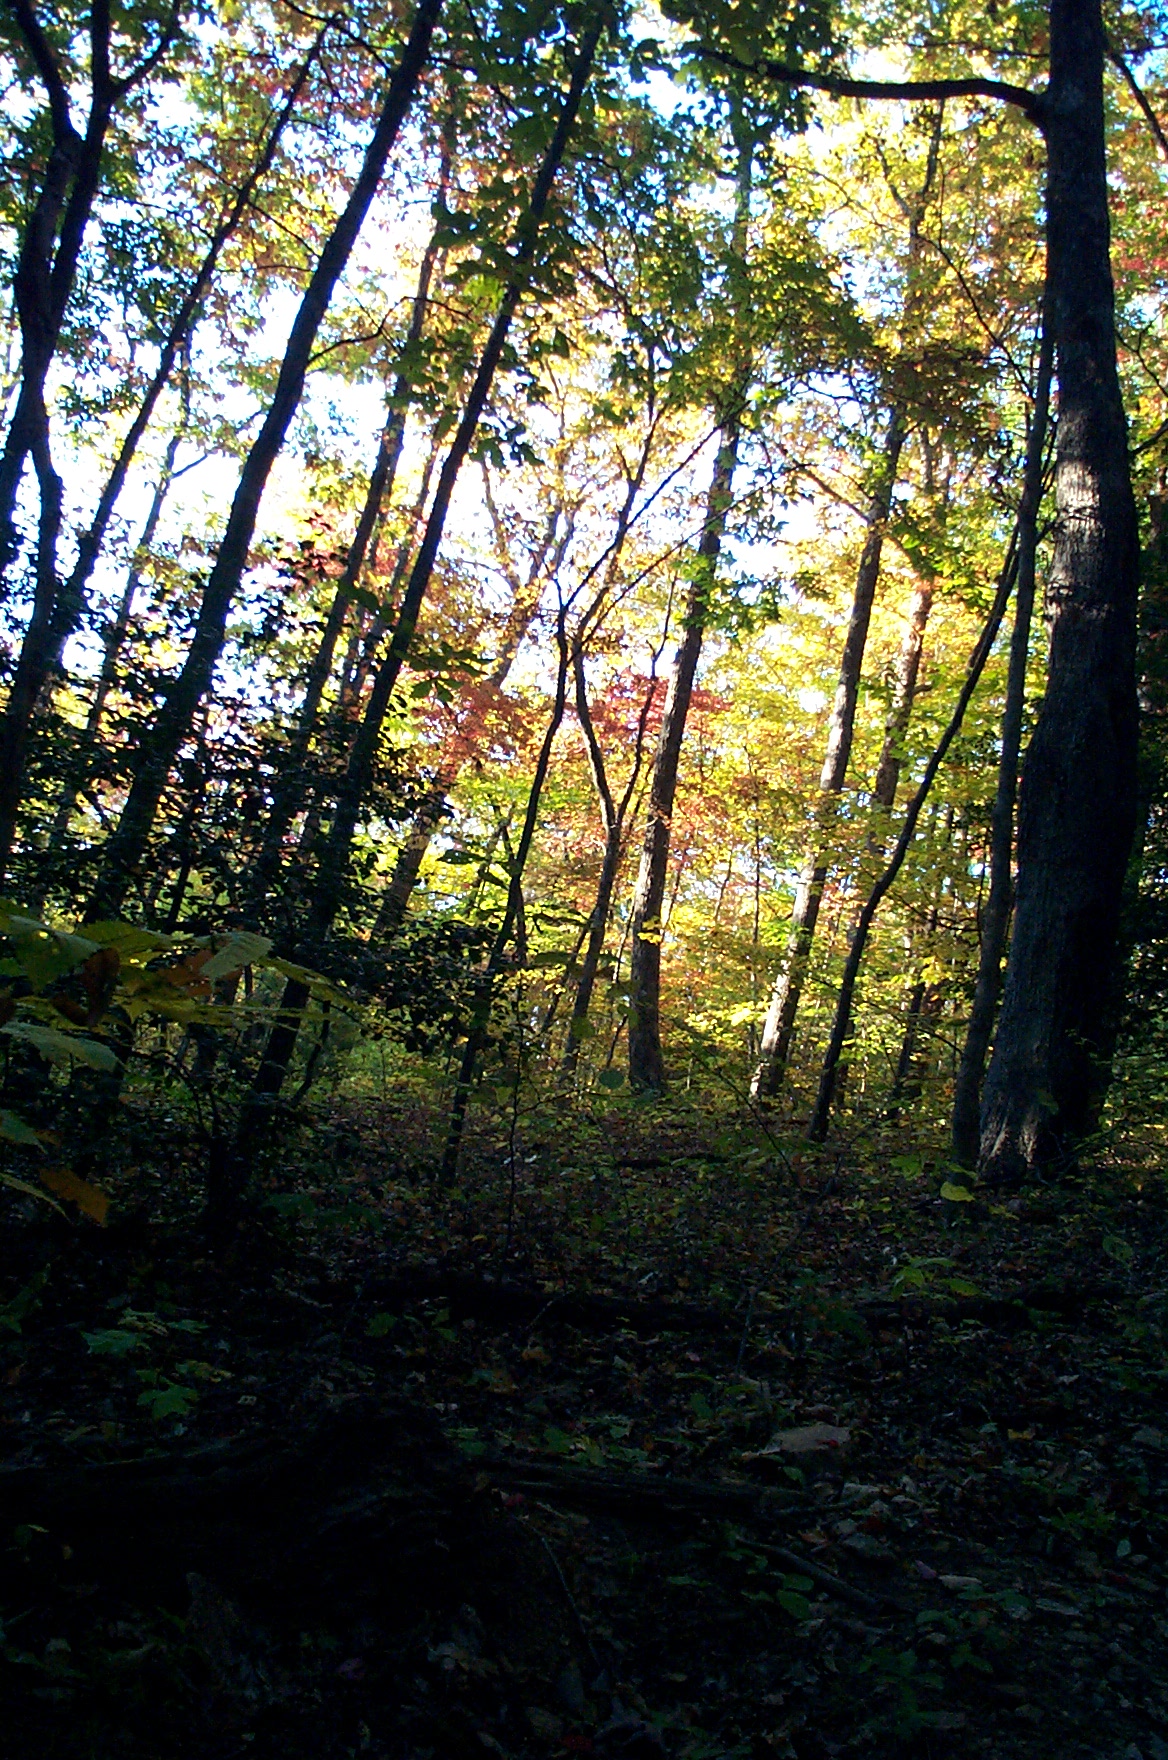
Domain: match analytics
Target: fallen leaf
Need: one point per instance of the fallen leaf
(91, 1199)
(810, 1439)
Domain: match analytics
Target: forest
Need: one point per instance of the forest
(584, 879)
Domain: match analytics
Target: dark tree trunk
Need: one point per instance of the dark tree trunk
(785, 998)
(291, 787)
(480, 1014)
(996, 916)
(1077, 806)
(127, 847)
(359, 771)
(841, 1020)
(646, 1061)
(330, 878)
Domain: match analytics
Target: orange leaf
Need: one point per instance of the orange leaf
(99, 975)
(185, 975)
(91, 1199)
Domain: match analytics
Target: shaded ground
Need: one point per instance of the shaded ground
(384, 1504)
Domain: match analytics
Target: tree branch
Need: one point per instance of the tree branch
(839, 86)
(149, 62)
(45, 61)
(1141, 98)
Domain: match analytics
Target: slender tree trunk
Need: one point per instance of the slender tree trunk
(784, 1004)
(50, 249)
(996, 916)
(112, 646)
(841, 1021)
(127, 847)
(646, 1062)
(43, 647)
(613, 816)
(1077, 806)
(359, 772)
(289, 793)
(512, 912)
(904, 688)
(334, 862)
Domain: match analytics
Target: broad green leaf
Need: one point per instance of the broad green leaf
(112, 1341)
(239, 949)
(128, 938)
(59, 1047)
(44, 954)
(22, 1185)
(612, 1079)
(797, 1606)
(956, 1194)
(14, 1130)
(168, 1402)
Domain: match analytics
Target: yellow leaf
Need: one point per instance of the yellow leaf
(91, 1199)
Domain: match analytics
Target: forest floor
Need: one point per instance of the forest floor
(745, 1455)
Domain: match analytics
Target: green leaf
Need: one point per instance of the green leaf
(44, 954)
(1118, 1249)
(797, 1606)
(14, 1130)
(381, 1325)
(59, 1047)
(612, 1079)
(241, 948)
(112, 1342)
(956, 1194)
(171, 1401)
(128, 938)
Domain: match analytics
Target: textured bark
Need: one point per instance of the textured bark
(996, 916)
(126, 848)
(1077, 807)
(784, 1004)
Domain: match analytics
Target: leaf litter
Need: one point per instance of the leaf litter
(746, 1499)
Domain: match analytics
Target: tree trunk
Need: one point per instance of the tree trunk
(904, 688)
(126, 849)
(480, 1018)
(359, 771)
(1077, 805)
(114, 638)
(996, 916)
(646, 1062)
(784, 1004)
(334, 862)
(289, 793)
(841, 1021)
